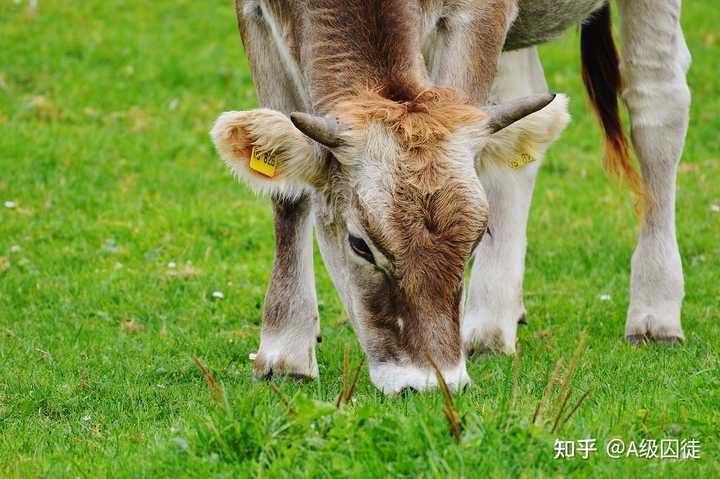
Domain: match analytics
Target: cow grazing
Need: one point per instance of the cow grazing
(378, 133)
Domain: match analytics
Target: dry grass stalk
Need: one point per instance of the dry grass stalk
(46, 355)
(282, 397)
(85, 382)
(347, 391)
(351, 389)
(346, 365)
(575, 408)
(449, 410)
(345, 375)
(215, 388)
(560, 411)
(562, 392)
(548, 389)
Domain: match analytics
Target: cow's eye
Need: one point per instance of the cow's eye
(361, 248)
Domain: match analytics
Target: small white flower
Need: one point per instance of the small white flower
(218, 295)
(252, 356)
(15, 249)
(86, 418)
(10, 204)
(172, 265)
(182, 443)
(604, 297)
(161, 386)
(713, 208)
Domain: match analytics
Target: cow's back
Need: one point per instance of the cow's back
(541, 20)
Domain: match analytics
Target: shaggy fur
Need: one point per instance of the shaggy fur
(423, 122)
(235, 133)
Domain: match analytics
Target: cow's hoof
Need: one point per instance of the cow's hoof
(654, 327)
(638, 339)
(487, 331)
(298, 365)
(489, 340)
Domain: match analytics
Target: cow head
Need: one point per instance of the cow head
(398, 208)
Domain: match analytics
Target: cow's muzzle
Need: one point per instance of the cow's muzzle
(393, 378)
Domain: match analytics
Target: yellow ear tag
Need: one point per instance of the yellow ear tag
(524, 158)
(263, 163)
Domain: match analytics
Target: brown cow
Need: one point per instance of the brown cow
(402, 167)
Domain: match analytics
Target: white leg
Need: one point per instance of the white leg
(291, 324)
(654, 62)
(495, 304)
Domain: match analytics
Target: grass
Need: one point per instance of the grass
(104, 113)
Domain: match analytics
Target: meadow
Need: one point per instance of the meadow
(126, 248)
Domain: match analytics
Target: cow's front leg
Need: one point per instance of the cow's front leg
(291, 325)
(494, 304)
(654, 62)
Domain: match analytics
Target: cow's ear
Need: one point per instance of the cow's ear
(525, 139)
(265, 150)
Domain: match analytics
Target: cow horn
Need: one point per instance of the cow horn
(501, 116)
(323, 129)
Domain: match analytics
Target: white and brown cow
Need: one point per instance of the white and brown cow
(405, 171)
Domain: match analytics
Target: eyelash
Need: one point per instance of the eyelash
(361, 248)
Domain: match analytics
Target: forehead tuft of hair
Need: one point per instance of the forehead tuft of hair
(420, 123)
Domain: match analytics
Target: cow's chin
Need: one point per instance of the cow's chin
(393, 378)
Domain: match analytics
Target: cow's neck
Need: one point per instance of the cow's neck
(352, 45)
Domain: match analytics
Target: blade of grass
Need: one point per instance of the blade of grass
(515, 378)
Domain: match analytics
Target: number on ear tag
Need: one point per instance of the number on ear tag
(524, 158)
(263, 163)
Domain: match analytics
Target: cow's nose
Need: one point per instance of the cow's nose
(393, 378)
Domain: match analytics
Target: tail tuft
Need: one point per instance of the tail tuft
(601, 75)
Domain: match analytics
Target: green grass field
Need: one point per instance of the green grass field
(104, 112)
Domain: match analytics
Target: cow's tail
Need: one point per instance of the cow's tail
(601, 75)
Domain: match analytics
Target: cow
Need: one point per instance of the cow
(409, 134)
